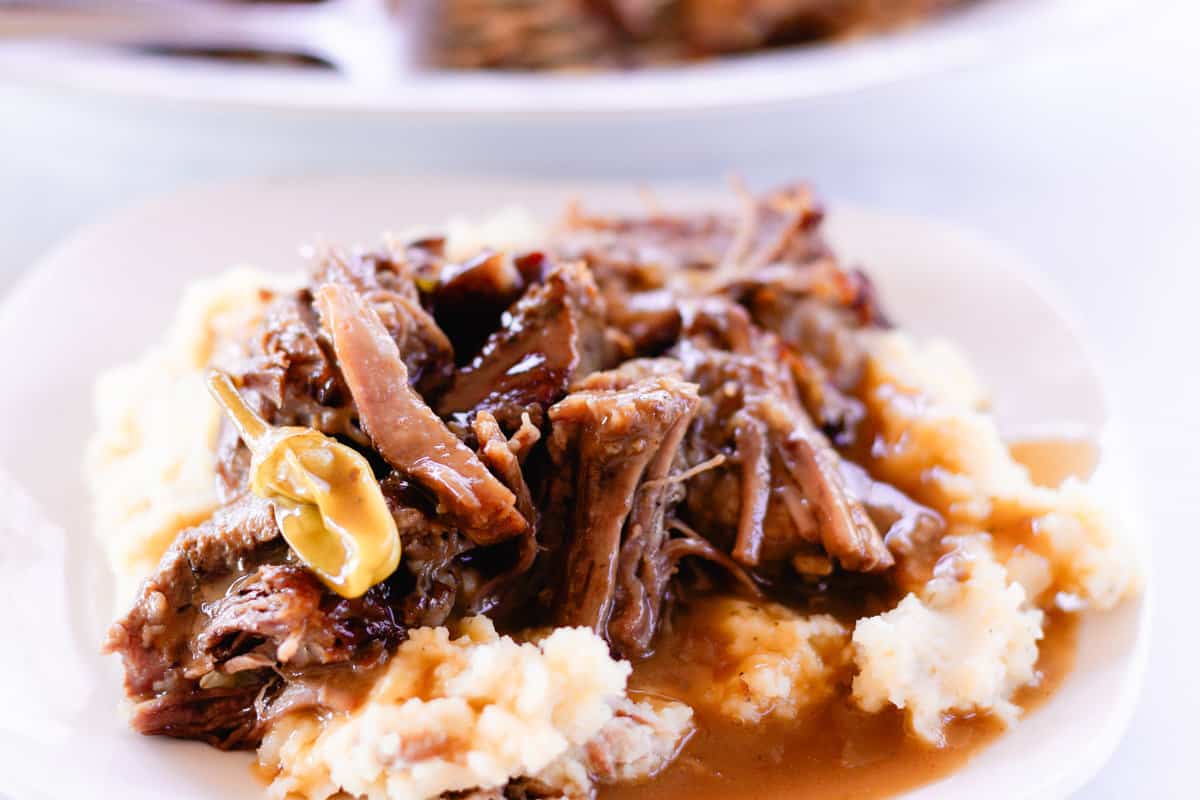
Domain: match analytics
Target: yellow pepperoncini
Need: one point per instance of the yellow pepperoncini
(327, 502)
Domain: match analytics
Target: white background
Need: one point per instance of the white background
(1085, 160)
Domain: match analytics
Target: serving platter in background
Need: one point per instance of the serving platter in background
(106, 294)
(375, 69)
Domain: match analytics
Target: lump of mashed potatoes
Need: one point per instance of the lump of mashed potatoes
(511, 228)
(640, 740)
(964, 644)
(773, 661)
(150, 465)
(452, 714)
(934, 442)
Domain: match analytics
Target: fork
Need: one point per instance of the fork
(368, 41)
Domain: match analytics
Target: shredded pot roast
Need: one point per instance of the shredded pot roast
(573, 436)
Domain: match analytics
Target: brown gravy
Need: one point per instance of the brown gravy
(1052, 459)
(837, 752)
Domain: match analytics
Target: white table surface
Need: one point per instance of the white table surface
(1085, 160)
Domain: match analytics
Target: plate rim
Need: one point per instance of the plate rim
(959, 38)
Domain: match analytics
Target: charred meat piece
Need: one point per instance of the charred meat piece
(430, 583)
(226, 718)
(281, 614)
(552, 336)
(405, 430)
(154, 638)
(164, 672)
(615, 450)
(223, 614)
(649, 321)
(437, 577)
(469, 298)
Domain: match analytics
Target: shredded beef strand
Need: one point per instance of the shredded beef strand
(692, 543)
(404, 430)
(846, 530)
(524, 439)
(642, 571)
(606, 442)
(499, 456)
(751, 437)
(224, 718)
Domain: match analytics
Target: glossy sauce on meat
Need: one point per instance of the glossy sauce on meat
(834, 752)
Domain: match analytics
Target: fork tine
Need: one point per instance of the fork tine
(368, 41)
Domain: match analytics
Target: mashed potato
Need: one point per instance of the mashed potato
(773, 661)
(511, 228)
(965, 644)
(452, 714)
(150, 464)
(639, 741)
(967, 640)
(935, 443)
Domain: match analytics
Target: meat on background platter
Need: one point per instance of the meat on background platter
(106, 294)
(980, 31)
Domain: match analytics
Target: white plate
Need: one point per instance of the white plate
(101, 297)
(984, 29)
